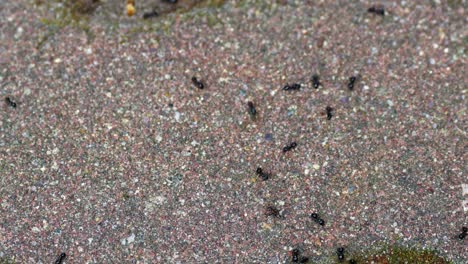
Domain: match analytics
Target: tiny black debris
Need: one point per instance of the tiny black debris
(376, 10)
(304, 260)
(151, 14)
(262, 175)
(10, 102)
(352, 80)
(315, 81)
(352, 261)
(252, 110)
(60, 258)
(197, 83)
(289, 147)
(340, 253)
(329, 110)
(294, 86)
(272, 211)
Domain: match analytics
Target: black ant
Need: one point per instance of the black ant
(296, 258)
(464, 232)
(264, 176)
(340, 252)
(315, 81)
(352, 80)
(376, 10)
(289, 147)
(295, 255)
(197, 83)
(170, 1)
(10, 102)
(61, 258)
(329, 110)
(294, 86)
(272, 211)
(317, 219)
(252, 110)
(151, 14)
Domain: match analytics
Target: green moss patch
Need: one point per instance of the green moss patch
(399, 255)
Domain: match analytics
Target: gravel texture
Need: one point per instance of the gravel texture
(112, 155)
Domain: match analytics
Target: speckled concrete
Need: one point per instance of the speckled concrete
(113, 156)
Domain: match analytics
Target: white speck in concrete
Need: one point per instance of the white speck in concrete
(158, 138)
(154, 201)
(19, 32)
(128, 240)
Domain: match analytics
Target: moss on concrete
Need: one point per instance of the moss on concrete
(5, 260)
(396, 254)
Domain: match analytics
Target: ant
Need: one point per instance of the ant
(464, 232)
(264, 176)
(171, 1)
(151, 14)
(197, 83)
(315, 81)
(295, 255)
(272, 211)
(340, 252)
(294, 86)
(329, 110)
(352, 80)
(10, 102)
(291, 146)
(317, 219)
(252, 110)
(61, 258)
(376, 10)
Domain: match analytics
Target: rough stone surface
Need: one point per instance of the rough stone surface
(113, 156)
